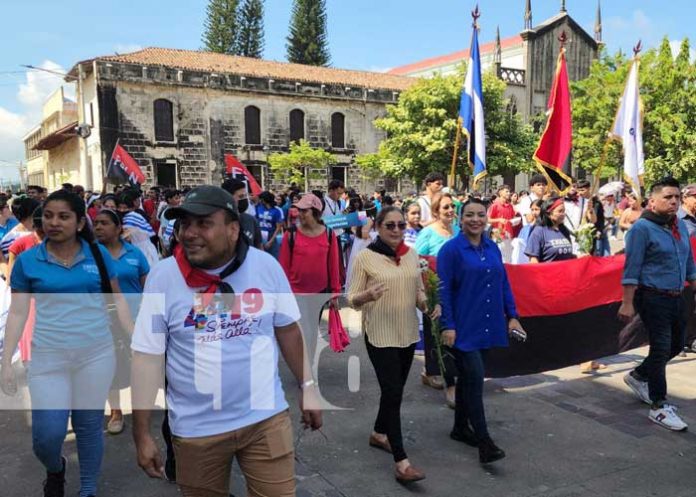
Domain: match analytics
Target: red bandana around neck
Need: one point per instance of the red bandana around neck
(197, 278)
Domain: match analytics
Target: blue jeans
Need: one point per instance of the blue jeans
(469, 400)
(663, 317)
(71, 382)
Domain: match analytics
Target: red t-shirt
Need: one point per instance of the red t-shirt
(308, 271)
(23, 243)
(503, 211)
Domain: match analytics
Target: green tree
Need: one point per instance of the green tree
(421, 131)
(250, 39)
(301, 164)
(220, 33)
(668, 91)
(307, 42)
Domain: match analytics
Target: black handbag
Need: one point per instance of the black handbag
(120, 337)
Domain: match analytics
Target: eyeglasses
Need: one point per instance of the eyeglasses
(392, 226)
(447, 207)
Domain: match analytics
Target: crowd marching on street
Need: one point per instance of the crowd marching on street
(183, 290)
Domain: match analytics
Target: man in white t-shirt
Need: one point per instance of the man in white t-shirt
(434, 183)
(537, 190)
(222, 312)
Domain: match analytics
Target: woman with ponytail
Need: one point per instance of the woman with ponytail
(72, 349)
(131, 270)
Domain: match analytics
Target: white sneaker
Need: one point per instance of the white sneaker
(666, 417)
(640, 388)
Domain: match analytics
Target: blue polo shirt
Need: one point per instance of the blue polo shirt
(70, 310)
(130, 266)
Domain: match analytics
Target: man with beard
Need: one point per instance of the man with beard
(224, 393)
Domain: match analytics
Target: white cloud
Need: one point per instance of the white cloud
(40, 84)
(122, 48)
(31, 95)
(675, 45)
(624, 32)
(379, 69)
(12, 129)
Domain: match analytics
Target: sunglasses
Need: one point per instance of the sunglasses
(391, 226)
(447, 207)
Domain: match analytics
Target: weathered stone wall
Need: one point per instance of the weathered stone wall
(209, 122)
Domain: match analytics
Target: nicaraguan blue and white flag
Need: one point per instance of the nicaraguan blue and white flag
(471, 112)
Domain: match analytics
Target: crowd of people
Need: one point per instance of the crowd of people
(229, 266)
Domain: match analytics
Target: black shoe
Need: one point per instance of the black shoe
(465, 435)
(54, 485)
(489, 452)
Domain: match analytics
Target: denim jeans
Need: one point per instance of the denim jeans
(71, 383)
(663, 317)
(469, 400)
(392, 365)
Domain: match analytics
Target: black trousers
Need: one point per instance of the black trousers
(432, 367)
(392, 365)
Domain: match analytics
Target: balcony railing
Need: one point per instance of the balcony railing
(512, 76)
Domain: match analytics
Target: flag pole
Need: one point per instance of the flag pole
(455, 154)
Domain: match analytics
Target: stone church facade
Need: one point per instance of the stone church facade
(178, 112)
(526, 61)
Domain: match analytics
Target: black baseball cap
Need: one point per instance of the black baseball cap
(203, 201)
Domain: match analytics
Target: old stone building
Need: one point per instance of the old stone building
(178, 112)
(526, 61)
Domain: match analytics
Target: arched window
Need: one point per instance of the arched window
(338, 130)
(252, 125)
(296, 125)
(164, 120)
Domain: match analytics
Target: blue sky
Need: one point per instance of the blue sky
(363, 34)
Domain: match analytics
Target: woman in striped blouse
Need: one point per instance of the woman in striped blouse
(387, 287)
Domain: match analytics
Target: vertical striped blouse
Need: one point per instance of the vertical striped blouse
(390, 321)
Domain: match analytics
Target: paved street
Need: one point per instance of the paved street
(566, 435)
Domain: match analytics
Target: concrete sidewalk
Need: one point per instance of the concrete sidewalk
(566, 435)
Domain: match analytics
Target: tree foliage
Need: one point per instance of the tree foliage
(668, 91)
(220, 25)
(308, 42)
(250, 39)
(421, 131)
(301, 162)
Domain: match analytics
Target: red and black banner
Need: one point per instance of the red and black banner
(123, 168)
(569, 311)
(236, 169)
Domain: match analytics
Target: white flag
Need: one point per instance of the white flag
(628, 128)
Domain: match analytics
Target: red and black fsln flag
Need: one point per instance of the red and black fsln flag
(554, 153)
(123, 168)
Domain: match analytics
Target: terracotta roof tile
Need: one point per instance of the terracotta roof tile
(435, 62)
(215, 62)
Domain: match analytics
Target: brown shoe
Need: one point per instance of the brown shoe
(409, 475)
(432, 381)
(378, 444)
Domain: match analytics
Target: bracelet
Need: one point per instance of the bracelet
(307, 384)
